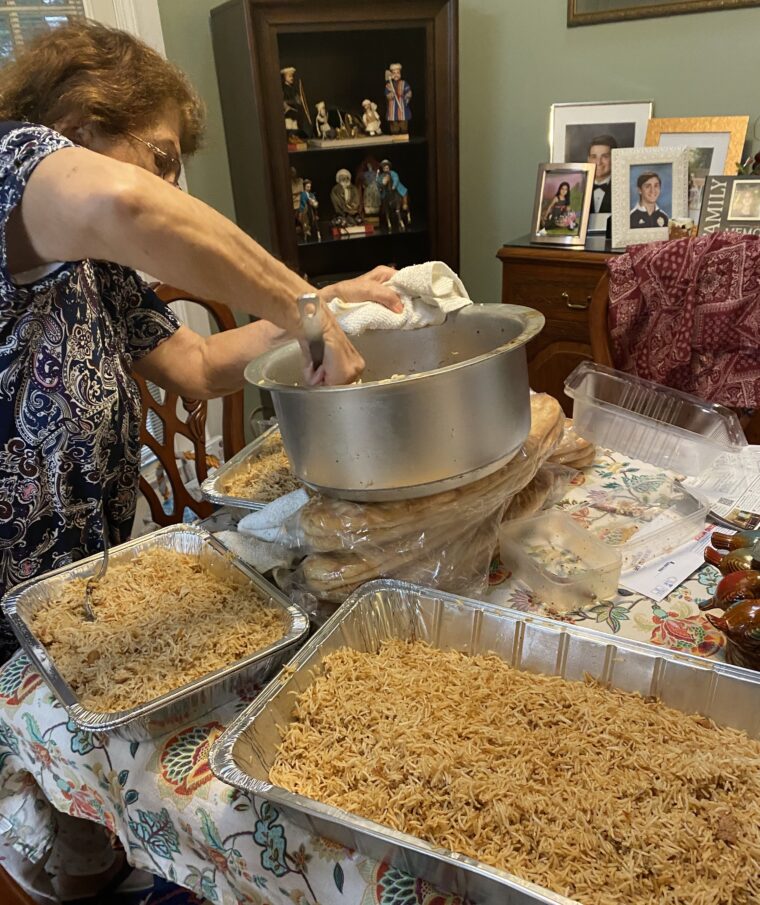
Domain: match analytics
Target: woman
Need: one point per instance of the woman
(559, 207)
(646, 214)
(94, 123)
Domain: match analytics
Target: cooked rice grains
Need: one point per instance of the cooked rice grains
(266, 477)
(162, 620)
(599, 795)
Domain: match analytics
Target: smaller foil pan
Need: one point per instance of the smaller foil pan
(213, 487)
(184, 704)
(385, 608)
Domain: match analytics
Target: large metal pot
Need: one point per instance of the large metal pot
(460, 411)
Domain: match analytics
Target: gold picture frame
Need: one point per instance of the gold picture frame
(581, 12)
(715, 145)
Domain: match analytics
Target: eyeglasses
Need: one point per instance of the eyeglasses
(167, 166)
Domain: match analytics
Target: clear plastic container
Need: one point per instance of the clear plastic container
(564, 565)
(650, 422)
(645, 531)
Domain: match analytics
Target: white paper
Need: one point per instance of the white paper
(658, 577)
(732, 486)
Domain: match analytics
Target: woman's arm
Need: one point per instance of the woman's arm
(79, 204)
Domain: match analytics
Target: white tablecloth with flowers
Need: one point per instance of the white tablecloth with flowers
(176, 820)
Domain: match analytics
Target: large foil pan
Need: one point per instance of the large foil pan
(186, 703)
(213, 487)
(384, 609)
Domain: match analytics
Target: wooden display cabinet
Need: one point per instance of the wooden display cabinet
(341, 50)
(559, 283)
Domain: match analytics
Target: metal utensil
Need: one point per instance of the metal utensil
(309, 307)
(89, 613)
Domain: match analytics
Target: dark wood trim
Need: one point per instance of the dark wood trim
(597, 322)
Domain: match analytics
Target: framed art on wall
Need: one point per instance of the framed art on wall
(715, 146)
(563, 198)
(592, 12)
(731, 203)
(588, 133)
(649, 188)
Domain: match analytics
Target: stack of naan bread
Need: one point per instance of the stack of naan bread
(445, 541)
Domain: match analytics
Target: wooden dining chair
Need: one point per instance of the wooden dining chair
(601, 350)
(161, 425)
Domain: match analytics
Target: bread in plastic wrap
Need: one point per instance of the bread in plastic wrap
(573, 450)
(445, 541)
(546, 488)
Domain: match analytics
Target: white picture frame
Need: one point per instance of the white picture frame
(671, 166)
(572, 126)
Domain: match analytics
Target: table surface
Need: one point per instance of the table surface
(176, 820)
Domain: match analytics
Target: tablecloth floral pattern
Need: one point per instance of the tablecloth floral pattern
(176, 820)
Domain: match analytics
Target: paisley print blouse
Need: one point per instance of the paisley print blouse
(69, 409)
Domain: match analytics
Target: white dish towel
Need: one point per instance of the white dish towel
(428, 292)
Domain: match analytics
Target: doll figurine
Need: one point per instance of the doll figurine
(322, 122)
(297, 118)
(346, 200)
(307, 212)
(398, 93)
(371, 118)
(394, 199)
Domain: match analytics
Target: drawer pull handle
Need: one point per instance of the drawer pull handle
(574, 305)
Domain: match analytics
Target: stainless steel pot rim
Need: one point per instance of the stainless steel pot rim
(534, 322)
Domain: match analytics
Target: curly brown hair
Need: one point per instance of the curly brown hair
(102, 76)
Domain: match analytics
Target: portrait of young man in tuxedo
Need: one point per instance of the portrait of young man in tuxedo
(600, 153)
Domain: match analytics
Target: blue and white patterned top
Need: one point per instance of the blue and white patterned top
(69, 409)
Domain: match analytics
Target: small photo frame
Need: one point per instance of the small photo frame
(731, 203)
(715, 146)
(588, 133)
(649, 188)
(563, 198)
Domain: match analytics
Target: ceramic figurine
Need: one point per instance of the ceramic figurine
(733, 588)
(394, 199)
(722, 541)
(371, 118)
(740, 559)
(307, 211)
(346, 200)
(322, 122)
(297, 118)
(398, 93)
(741, 626)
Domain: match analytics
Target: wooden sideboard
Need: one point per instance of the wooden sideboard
(558, 282)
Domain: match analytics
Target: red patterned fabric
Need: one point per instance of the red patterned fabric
(686, 313)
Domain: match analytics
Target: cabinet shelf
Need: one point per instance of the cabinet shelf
(368, 144)
(341, 51)
(412, 230)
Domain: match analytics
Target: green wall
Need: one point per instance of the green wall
(187, 37)
(517, 57)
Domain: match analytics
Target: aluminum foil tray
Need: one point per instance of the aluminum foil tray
(184, 704)
(213, 487)
(384, 609)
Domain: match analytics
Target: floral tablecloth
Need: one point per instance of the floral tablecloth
(176, 820)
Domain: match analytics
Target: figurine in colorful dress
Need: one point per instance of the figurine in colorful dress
(394, 199)
(398, 93)
(308, 212)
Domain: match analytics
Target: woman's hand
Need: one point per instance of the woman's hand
(371, 287)
(341, 362)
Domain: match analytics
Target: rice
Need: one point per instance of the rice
(162, 620)
(266, 477)
(602, 796)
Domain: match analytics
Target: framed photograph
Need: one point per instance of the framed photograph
(649, 188)
(588, 133)
(731, 203)
(563, 198)
(591, 12)
(715, 146)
